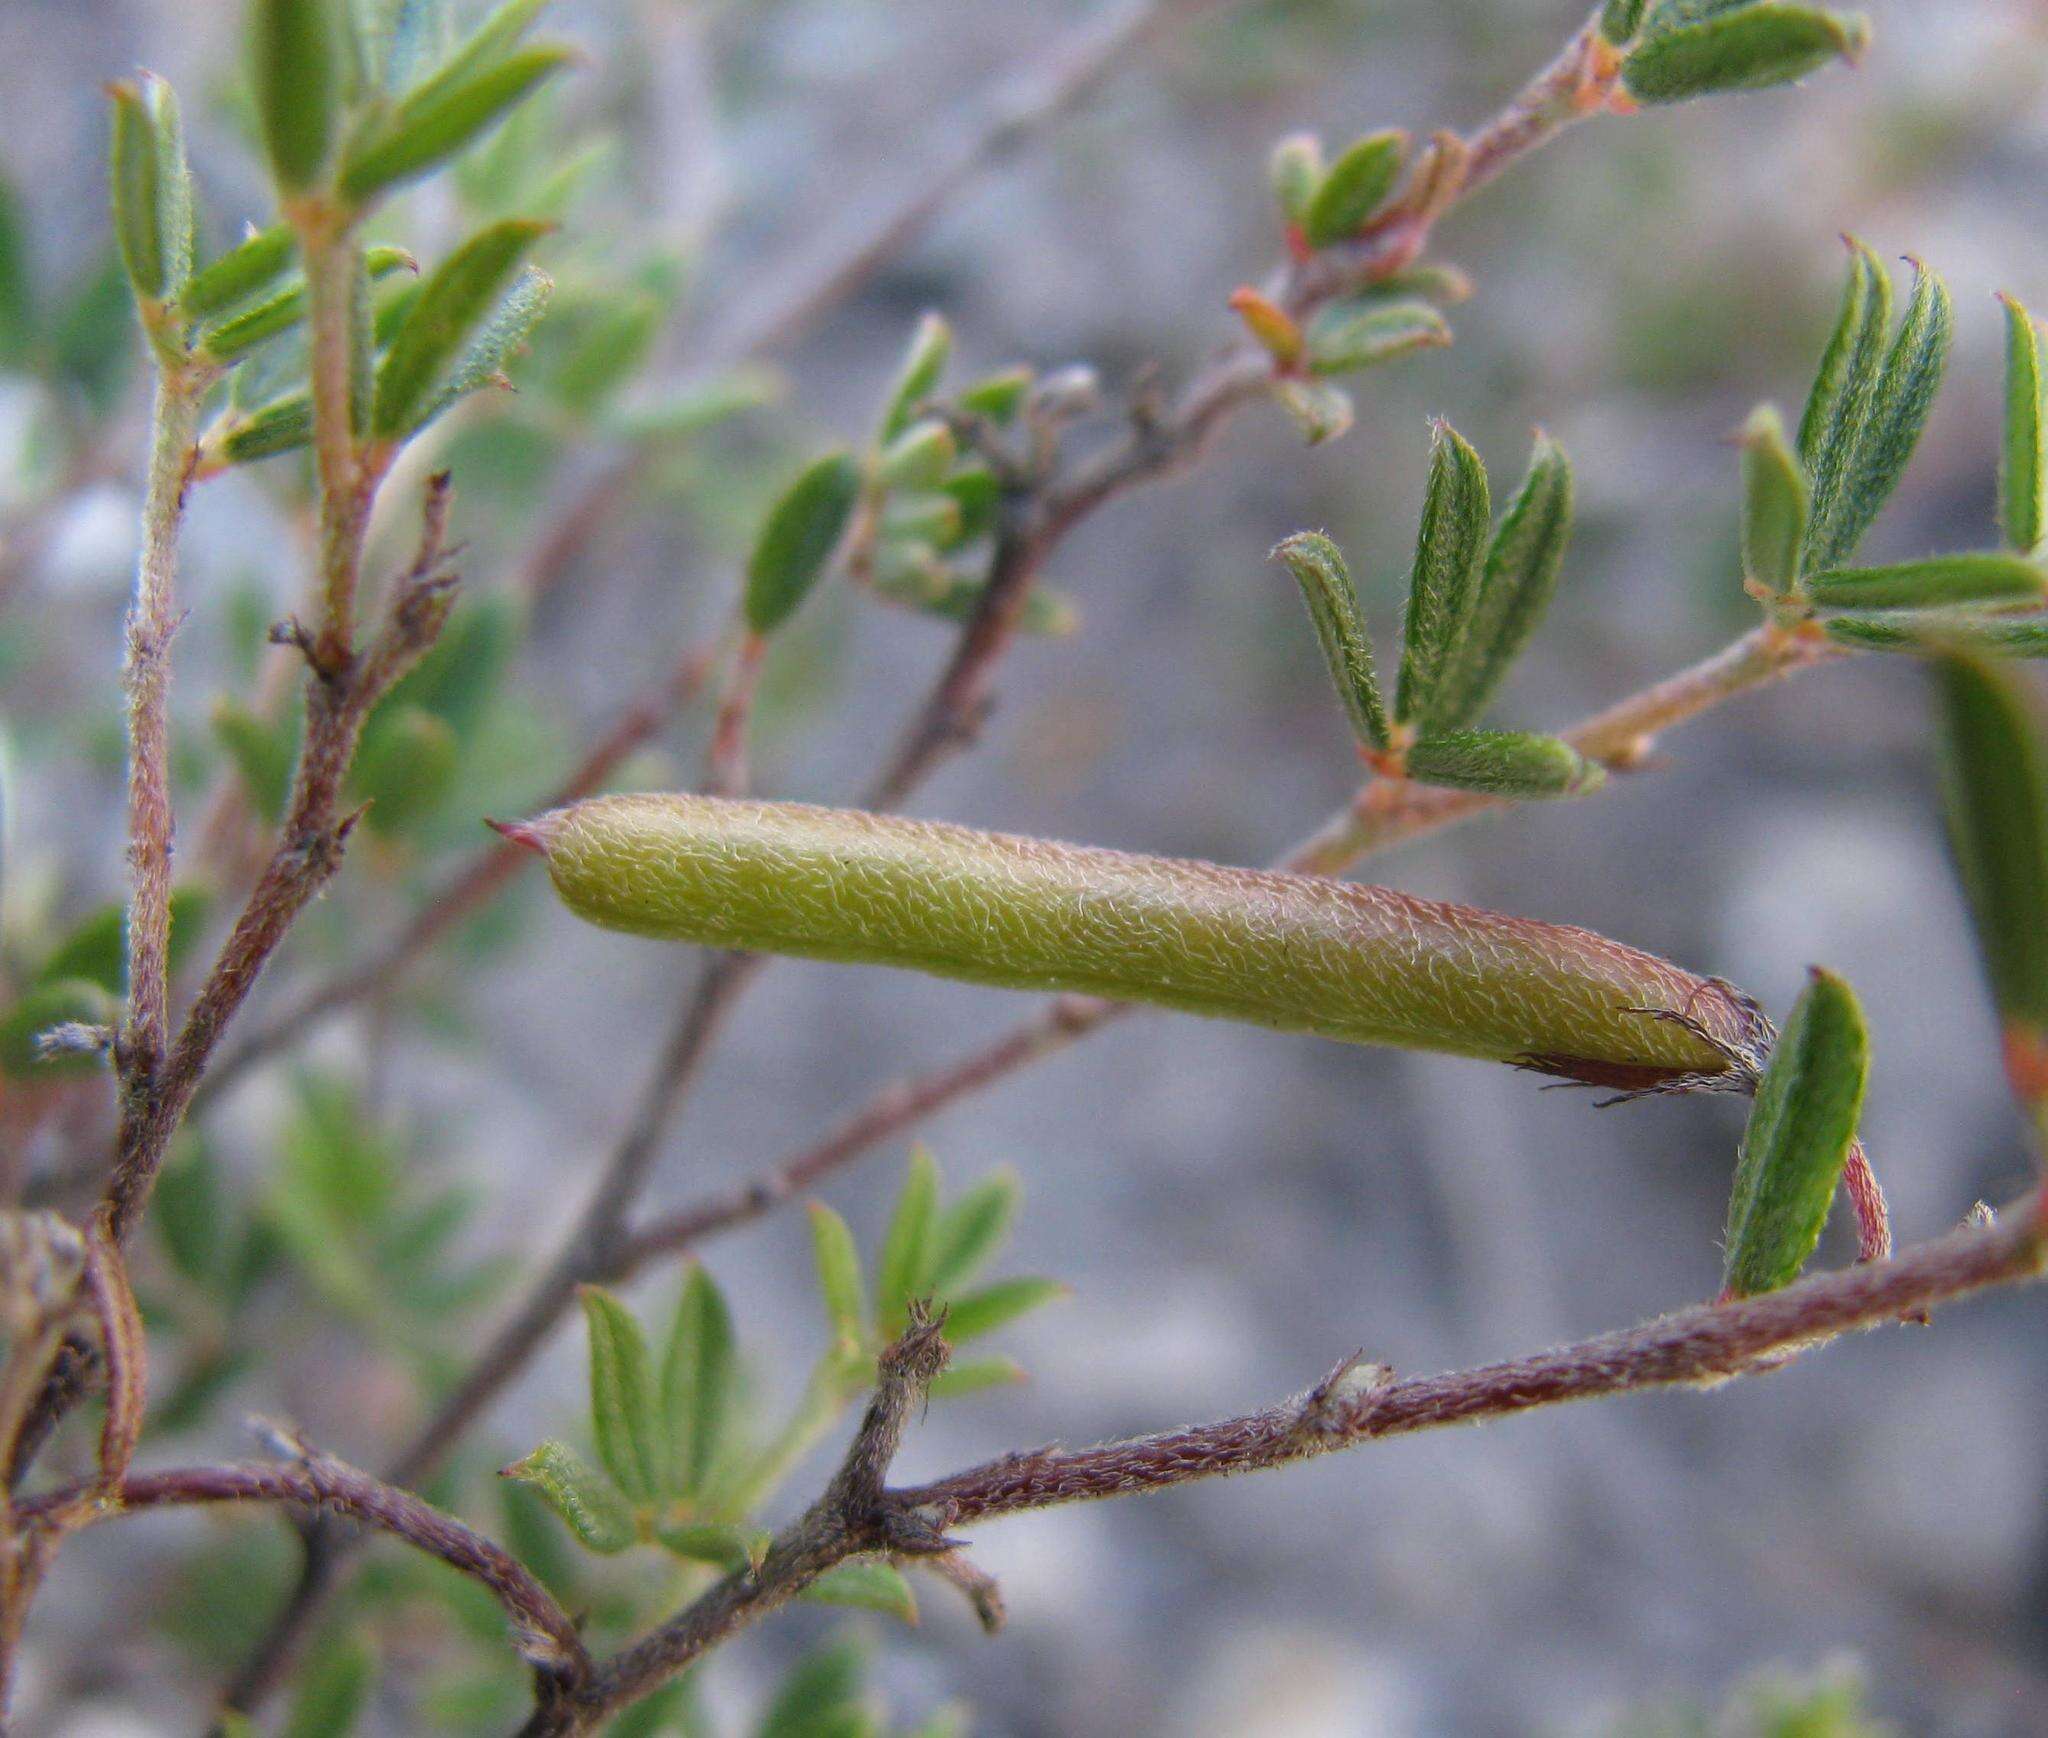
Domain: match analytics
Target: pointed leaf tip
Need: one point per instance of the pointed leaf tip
(2023, 453)
(1318, 569)
(1798, 1138)
(1444, 582)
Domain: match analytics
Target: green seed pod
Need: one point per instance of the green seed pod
(1365, 965)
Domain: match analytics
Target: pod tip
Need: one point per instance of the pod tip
(520, 834)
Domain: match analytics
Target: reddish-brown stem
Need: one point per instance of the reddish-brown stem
(152, 620)
(1356, 1403)
(852, 1518)
(1703, 1345)
(543, 1633)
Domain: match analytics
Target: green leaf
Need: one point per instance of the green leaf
(17, 285)
(1934, 633)
(918, 375)
(282, 426)
(293, 70)
(1352, 335)
(867, 1587)
(1356, 186)
(494, 36)
(404, 770)
(1444, 584)
(452, 305)
(675, 416)
(1318, 568)
(974, 1314)
(931, 518)
(285, 310)
(35, 1012)
(903, 1272)
(1294, 171)
(974, 1375)
(723, 1543)
(497, 341)
(968, 1233)
(92, 343)
(838, 1264)
(1995, 779)
(1321, 412)
(1773, 506)
(189, 1214)
(822, 1685)
(258, 259)
(1749, 48)
(1847, 375)
(998, 397)
(919, 457)
(1797, 1140)
(2023, 459)
(588, 1503)
(1522, 566)
(1938, 582)
(622, 1396)
(152, 189)
(332, 1689)
(698, 1380)
(262, 753)
(799, 538)
(928, 585)
(1897, 412)
(424, 130)
(1620, 19)
(1505, 763)
(97, 949)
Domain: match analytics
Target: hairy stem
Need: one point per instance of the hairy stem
(152, 620)
(544, 1634)
(1701, 1346)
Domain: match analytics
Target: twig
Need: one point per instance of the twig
(542, 1632)
(473, 884)
(1071, 69)
(152, 620)
(852, 1518)
(1701, 1346)
(1358, 1402)
(307, 855)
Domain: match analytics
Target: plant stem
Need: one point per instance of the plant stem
(1704, 1346)
(345, 492)
(152, 620)
(544, 1634)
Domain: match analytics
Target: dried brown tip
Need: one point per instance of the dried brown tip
(520, 834)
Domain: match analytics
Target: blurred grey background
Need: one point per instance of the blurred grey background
(1238, 1210)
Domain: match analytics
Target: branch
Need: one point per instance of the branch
(1071, 70)
(152, 620)
(542, 1632)
(1701, 1346)
(488, 871)
(306, 857)
(1358, 1402)
(854, 1517)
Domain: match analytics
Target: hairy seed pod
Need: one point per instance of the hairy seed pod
(1366, 965)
